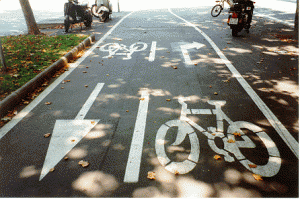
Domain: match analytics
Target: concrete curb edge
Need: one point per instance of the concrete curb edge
(15, 97)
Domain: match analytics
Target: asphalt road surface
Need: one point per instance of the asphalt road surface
(168, 93)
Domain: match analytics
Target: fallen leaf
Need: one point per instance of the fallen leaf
(47, 135)
(231, 141)
(151, 175)
(257, 177)
(142, 98)
(176, 172)
(93, 122)
(168, 100)
(84, 71)
(217, 157)
(51, 170)
(48, 103)
(195, 64)
(237, 134)
(26, 102)
(62, 87)
(215, 93)
(174, 67)
(127, 110)
(66, 158)
(83, 163)
(252, 165)
(45, 84)
(86, 86)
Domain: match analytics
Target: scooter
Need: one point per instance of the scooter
(77, 13)
(103, 10)
(238, 17)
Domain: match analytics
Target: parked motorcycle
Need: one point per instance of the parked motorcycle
(77, 13)
(103, 9)
(239, 17)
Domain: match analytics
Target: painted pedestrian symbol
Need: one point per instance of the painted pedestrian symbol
(121, 49)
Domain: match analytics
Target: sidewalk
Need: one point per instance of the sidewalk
(12, 20)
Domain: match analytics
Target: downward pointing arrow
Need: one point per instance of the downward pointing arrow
(67, 133)
(184, 49)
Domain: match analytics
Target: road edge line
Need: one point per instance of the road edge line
(277, 125)
(7, 127)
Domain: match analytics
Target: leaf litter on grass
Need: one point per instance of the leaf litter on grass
(28, 55)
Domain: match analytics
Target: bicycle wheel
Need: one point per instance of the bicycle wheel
(216, 10)
(272, 160)
(138, 46)
(184, 129)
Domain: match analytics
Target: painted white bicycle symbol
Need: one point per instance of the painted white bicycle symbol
(121, 49)
(231, 144)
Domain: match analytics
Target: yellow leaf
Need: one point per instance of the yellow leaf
(217, 157)
(151, 175)
(257, 177)
(83, 163)
(48, 103)
(231, 141)
(66, 158)
(47, 135)
(168, 100)
(237, 134)
(51, 170)
(142, 98)
(93, 122)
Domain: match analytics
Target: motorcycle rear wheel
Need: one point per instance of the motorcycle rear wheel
(235, 32)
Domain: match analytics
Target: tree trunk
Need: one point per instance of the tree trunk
(296, 28)
(29, 18)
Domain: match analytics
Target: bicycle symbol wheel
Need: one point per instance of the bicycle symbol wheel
(184, 130)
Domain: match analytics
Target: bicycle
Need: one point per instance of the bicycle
(231, 144)
(217, 9)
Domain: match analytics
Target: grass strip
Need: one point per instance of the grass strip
(28, 55)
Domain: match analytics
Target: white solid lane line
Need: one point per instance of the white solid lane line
(152, 51)
(136, 147)
(5, 129)
(278, 126)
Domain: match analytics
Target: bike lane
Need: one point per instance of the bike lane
(131, 82)
(209, 79)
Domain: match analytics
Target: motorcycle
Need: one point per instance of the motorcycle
(239, 17)
(102, 9)
(77, 13)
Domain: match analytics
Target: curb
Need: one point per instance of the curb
(12, 100)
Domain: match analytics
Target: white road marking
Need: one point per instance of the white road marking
(67, 133)
(273, 18)
(184, 130)
(278, 126)
(5, 129)
(136, 148)
(113, 48)
(152, 51)
(184, 49)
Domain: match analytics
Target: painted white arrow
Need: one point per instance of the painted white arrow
(184, 49)
(67, 133)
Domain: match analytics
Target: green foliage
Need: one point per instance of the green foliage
(28, 55)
